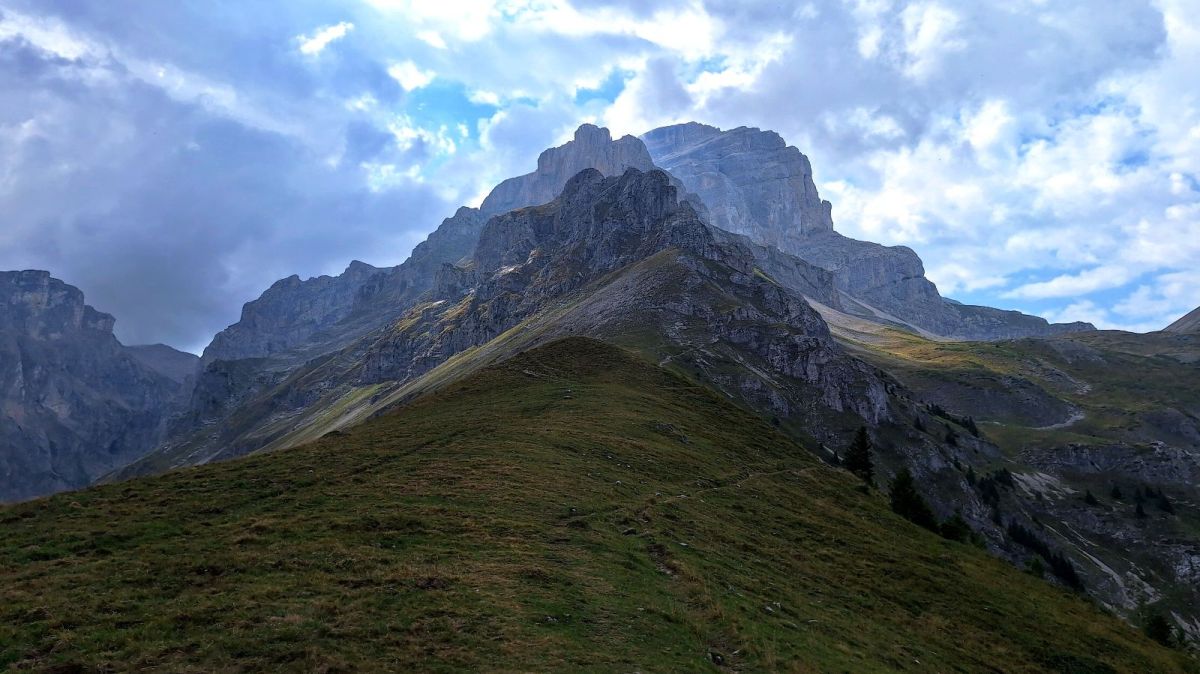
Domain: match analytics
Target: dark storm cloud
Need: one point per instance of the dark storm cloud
(168, 215)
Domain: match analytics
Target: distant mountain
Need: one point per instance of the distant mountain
(74, 403)
(1190, 322)
(753, 183)
(176, 365)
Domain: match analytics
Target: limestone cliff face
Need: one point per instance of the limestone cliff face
(592, 147)
(74, 403)
(752, 183)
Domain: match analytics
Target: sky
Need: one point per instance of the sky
(173, 159)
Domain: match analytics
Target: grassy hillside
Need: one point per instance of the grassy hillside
(1094, 387)
(572, 509)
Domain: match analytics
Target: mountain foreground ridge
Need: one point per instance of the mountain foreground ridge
(573, 508)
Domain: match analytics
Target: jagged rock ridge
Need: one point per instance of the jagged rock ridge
(293, 312)
(74, 403)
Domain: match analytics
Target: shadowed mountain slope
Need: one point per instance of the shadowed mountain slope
(572, 509)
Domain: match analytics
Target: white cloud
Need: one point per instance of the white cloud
(930, 34)
(407, 134)
(1075, 285)
(468, 20)
(483, 97)
(432, 38)
(312, 45)
(49, 35)
(410, 76)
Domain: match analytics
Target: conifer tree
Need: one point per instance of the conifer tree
(908, 502)
(858, 457)
(1159, 629)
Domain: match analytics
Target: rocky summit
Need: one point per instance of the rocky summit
(703, 263)
(592, 147)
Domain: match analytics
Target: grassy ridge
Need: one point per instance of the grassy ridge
(572, 509)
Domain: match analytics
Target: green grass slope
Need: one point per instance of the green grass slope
(571, 509)
(1098, 388)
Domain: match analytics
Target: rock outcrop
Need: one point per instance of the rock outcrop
(753, 183)
(74, 403)
(1190, 323)
(592, 147)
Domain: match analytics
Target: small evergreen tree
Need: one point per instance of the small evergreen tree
(858, 457)
(918, 424)
(908, 502)
(969, 424)
(955, 528)
(1036, 567)
(1089, 499)
(1141, 512)
(951, 437)
(1158, 628)
(1116, 493)
(1164, 504)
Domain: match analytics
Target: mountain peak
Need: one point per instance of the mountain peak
(590, 133)
(603, 220)
(591, 147)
